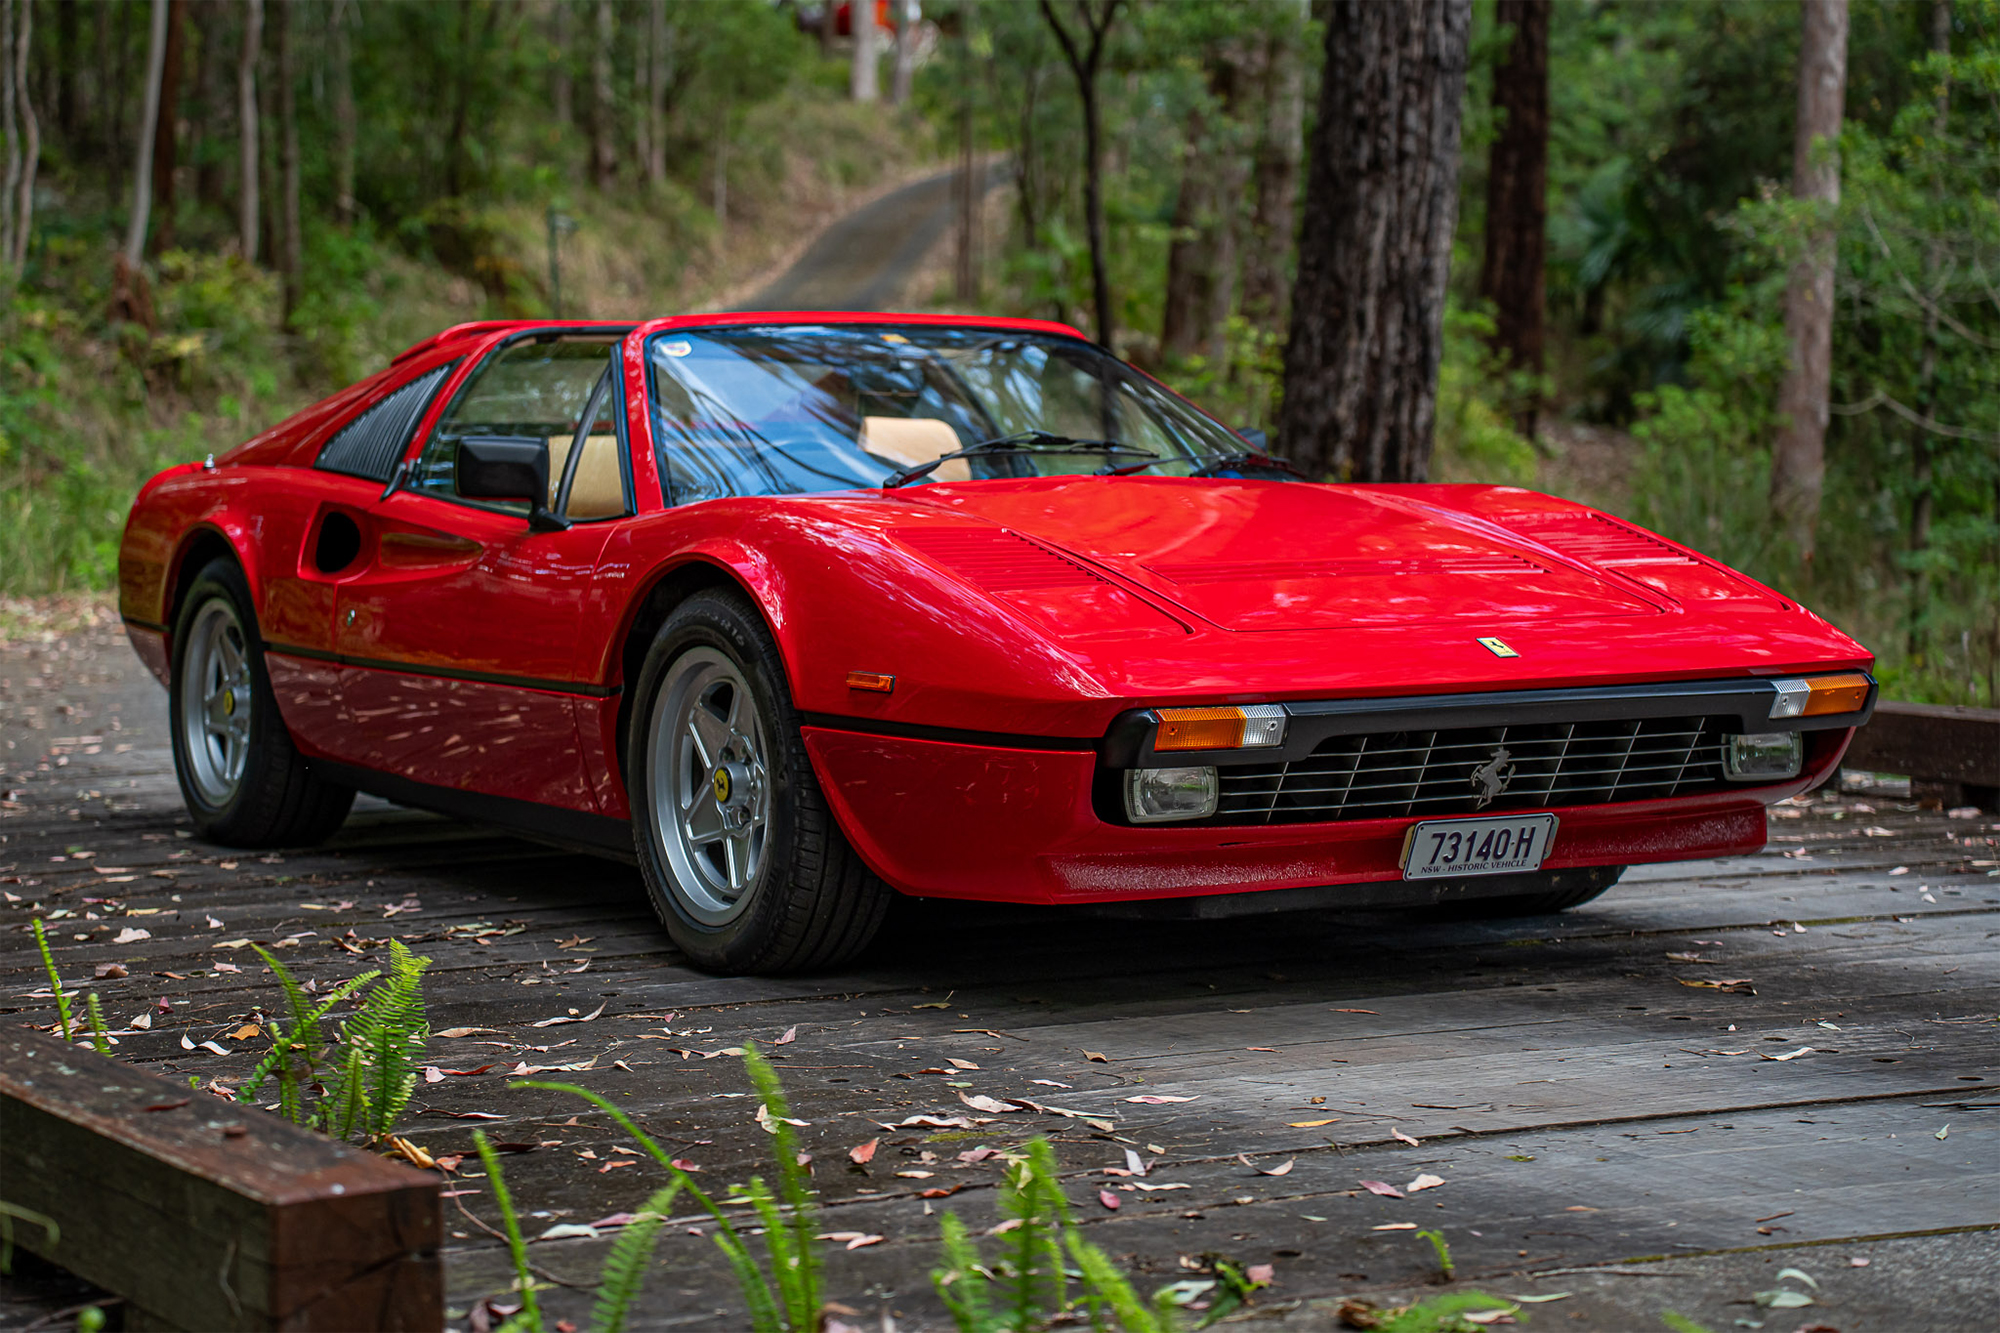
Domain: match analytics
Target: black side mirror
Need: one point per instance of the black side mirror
(1257, 439)
(509, 467)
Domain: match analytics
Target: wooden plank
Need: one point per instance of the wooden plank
(206, 1215)
(1933, 743)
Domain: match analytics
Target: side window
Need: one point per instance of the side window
(539, 388)
(372, 444)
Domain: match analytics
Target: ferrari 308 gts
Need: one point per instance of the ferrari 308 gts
(803, 611)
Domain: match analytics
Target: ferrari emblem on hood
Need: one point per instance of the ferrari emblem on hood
(1491, 778)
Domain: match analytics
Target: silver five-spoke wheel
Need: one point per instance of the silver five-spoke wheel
(711, 784)
(215, 703)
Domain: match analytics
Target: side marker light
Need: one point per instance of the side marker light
(874, 681)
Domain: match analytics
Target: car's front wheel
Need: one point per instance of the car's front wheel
(744, 862)
(244, 782)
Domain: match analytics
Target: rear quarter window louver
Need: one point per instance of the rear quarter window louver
(372, 444)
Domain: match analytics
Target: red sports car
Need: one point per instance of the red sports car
(803, 611)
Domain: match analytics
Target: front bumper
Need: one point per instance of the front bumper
(954, 819)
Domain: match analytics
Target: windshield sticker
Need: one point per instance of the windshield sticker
(679, 347)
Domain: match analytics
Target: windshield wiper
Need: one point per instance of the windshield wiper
(1023, 442)
(1245, 458)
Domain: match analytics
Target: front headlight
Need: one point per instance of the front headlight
(1153, 795)
(1763, 756)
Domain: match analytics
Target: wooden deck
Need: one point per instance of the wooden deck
(1602, 1128)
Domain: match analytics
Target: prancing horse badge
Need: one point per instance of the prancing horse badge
(1497, 648)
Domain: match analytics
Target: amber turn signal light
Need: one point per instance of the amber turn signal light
(1221, 728)
(1836, 694)
(870, 680)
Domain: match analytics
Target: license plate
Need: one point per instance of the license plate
(1500, 845)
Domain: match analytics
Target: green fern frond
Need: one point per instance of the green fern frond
(96, 1015)
(1103, 1280)
(530, 1317)
(55, 979)
(960, 1283)
(624, 1270)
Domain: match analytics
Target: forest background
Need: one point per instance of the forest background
(330, 180)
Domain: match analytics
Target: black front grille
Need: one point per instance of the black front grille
(1474, 770)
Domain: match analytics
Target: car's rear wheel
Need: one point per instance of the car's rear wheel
(744, 862)
(244, 782)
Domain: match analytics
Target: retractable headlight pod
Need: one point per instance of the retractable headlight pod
(1156, 795)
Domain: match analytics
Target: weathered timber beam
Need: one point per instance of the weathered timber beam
(1940, 744)
(207, 1215)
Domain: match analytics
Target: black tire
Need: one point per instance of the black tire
(1568, 888)
(269, 797)
(807, 901)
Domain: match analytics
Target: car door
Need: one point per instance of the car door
(458, 644)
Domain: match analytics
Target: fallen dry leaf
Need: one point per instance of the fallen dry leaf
(979, 1102)
(1788, 1055)
(791, 1035)
(215, 1048)
(1154, 1099)
(1284, 1170)
(1735, 986)
(1424, 1182)
(244, 1033)
(863, 1154)
(132, 935)
(1395, 1226)
(956, 1063)
(1383, 1188)
(1353, 1011)
(464, 1032)
(1097, 1056)
(1108, 1199)
(1405, 1138)
(570, 1018)
(1312, 1124)
(109, 971)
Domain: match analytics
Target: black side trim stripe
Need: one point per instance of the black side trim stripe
(1002, 740)
(136, 623)
(573, 830)
(449, 673)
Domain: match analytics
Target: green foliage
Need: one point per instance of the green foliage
(1442, 1250)
(530, 1316)
(1680, 1323)
(9, 1214)
(1027, 1286)
(55, 980)
(787, 1297)
(98, 1040)
(624, 1271)
(374, 1070)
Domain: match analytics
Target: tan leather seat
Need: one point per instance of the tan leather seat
(913, 440)
(598, 490)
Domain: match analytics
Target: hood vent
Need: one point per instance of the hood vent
(1353, 568)
(996, 559)
(1598, 540)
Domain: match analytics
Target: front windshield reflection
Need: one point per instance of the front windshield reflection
(787, 409)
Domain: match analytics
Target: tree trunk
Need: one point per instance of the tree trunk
(248, 156)
(862, 81)
(206, 23)
(719, 187)
(31, 141)
(66, 35)
(1798, 456)
(10, 132)
(1275, 194)
(904, 69)
(603, 156)
(1084, 61)
(562, 94)
(1922, 480)
(1188, 257)
(1027, 162)
(142, 172)
(340, 74)
(166, 127)
(1517, 200)
(965, 269)
(291, 253)
(659, 71)
(1367, 336)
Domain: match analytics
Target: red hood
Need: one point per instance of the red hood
(1250, 555)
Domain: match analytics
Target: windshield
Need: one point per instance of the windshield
(784, 409)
